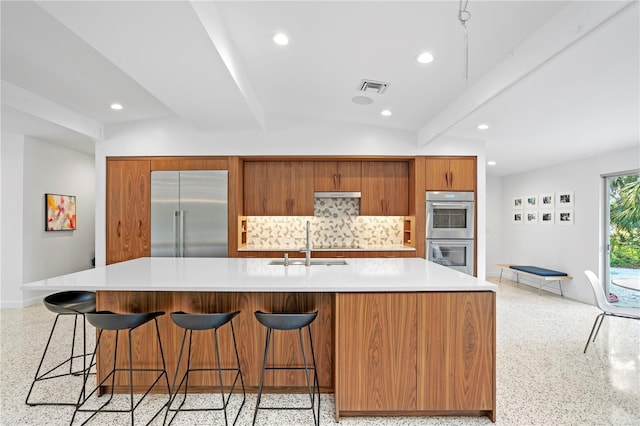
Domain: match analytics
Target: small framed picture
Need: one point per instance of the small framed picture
(564, 217)
(564, 199)
(531, 217)
(517, 217)
(531, 201)
(547, 217)
(60, 212)
(546, 201)
(517, 203)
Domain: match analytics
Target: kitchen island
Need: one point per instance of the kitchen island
(393, 336)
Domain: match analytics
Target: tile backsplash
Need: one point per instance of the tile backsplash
(335, 224)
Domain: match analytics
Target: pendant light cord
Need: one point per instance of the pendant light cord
(463, 16)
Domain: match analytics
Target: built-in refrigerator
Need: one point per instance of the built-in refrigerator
(189, 213)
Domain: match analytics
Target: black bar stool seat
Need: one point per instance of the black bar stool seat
(287, 322)
(76, 303)
(110, 321)
(203, 322)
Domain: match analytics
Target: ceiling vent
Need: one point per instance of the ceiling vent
(373, 86)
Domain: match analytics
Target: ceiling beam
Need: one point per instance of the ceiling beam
(209, 16)
(576, 21)
(29, 103)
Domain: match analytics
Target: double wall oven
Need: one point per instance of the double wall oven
(450, 229)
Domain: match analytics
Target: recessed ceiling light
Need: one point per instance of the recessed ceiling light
(483, 126)
(425, 58)
(362, 100)
(117, 107)
(385, 113)
(491, 163)
(281, 39)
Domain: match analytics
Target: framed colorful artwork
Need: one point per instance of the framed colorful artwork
(60, 212)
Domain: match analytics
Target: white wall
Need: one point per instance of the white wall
(31, 168)
(570, 249)
(12, 157)
(494, 224)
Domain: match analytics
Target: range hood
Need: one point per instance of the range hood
(337, 194)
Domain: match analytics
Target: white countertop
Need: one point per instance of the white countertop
(334, 248)
(256, 275)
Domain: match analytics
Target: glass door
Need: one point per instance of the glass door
(622, 231)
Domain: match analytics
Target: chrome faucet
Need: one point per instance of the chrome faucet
(307, 248)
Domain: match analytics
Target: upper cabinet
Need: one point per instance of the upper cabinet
(278, 188)
(128, 213)
(450, 173)
(337, 176)
(385, 188)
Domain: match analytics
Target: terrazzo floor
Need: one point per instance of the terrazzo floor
(543, 378)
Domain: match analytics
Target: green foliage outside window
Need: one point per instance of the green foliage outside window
(624, 200)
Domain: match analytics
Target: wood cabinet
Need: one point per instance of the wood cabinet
(278, 188)
(128, 215)
(450, 173)
(456, 351)
(416, 353)
(337, 176)
(385, 188)
(376, 353)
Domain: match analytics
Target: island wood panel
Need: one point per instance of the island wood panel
(448, 356)
(456, 352)
(376, 352)
(144, 341)
(250, 335)
(285, 345)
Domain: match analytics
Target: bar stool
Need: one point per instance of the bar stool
(76, 303)
(106, 320)
(205, 322)
(290, 321)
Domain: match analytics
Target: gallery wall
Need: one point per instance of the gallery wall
(569, 248)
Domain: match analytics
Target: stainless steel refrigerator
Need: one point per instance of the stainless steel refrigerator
(189, 213)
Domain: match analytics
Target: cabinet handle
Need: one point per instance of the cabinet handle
(446, 178)
(451, 179)
(339, 181)
(118, 229)
(336, 181)
(140, 228)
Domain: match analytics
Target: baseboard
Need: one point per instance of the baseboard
(21, 303)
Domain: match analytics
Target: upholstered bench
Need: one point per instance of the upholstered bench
(541, 274)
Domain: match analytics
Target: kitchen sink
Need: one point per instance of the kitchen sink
(314, 262)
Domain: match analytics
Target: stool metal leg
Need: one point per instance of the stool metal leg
(311, 388)
(219, 369)
(264, 366)
(47, 375)
(133, 405)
